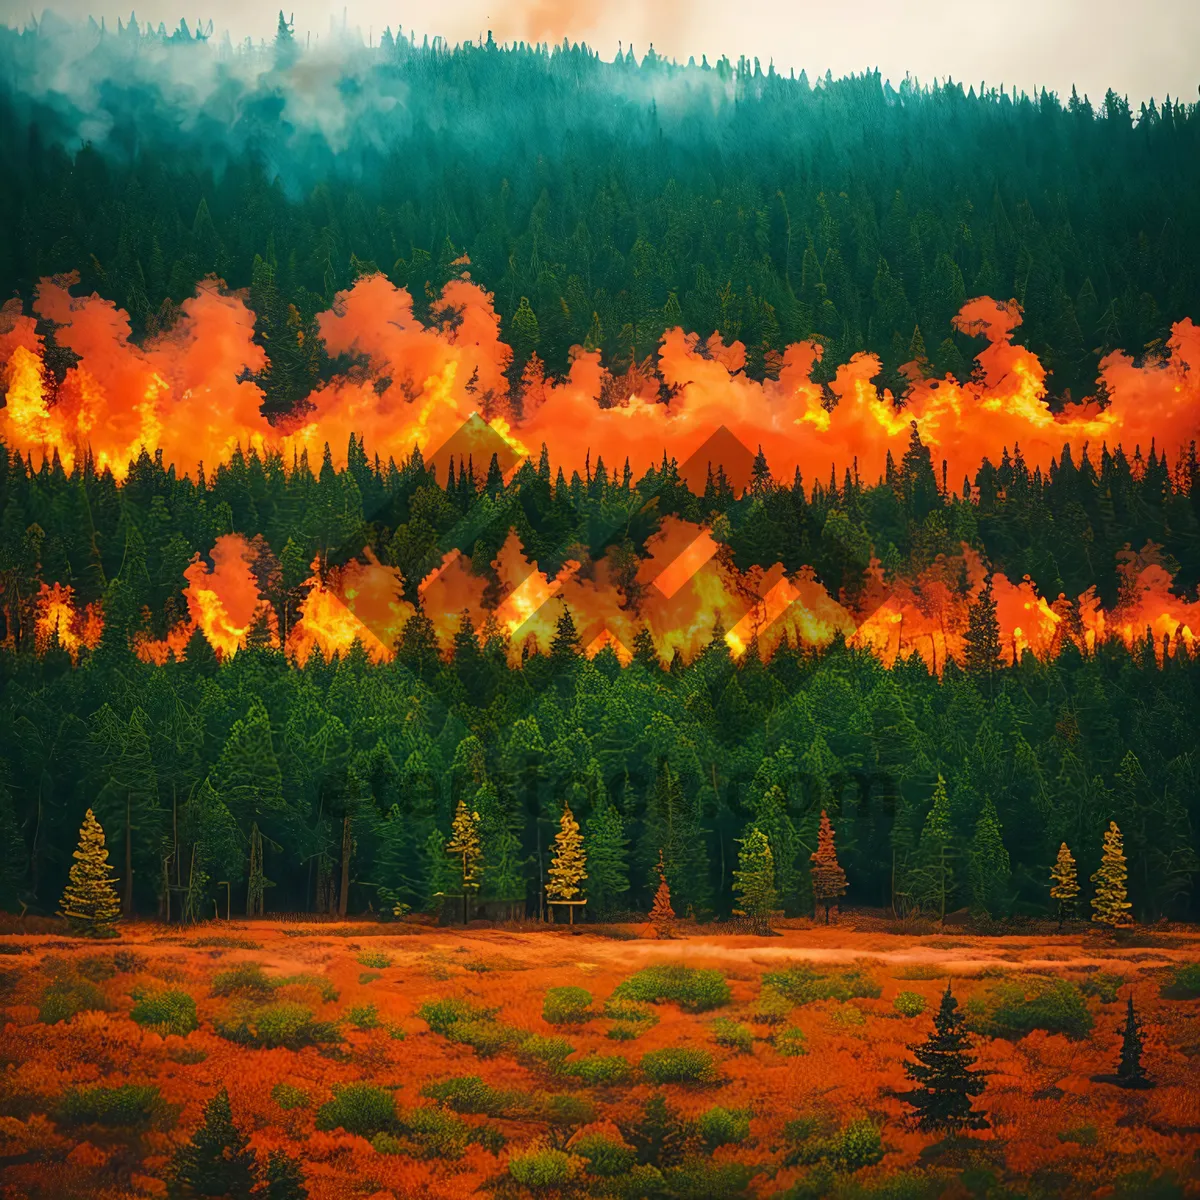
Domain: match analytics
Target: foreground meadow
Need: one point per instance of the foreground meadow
(405, 1061)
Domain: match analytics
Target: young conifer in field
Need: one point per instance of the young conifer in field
(944, 1074)
(1130, 1072)
(754, 879)
(829, 880)
(217, 1161)
(662, 915)
(568, 868)
(90, 903)
(1110, 903)
(1065, 884)
(466, 848)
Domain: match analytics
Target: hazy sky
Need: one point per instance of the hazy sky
(1140, 47)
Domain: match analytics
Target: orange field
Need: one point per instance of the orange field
(346, 999)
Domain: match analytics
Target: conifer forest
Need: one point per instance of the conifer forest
(585, 627)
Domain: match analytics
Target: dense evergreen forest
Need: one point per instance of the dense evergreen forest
(602, 203)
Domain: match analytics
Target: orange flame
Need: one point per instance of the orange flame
(56, 616)
(225, 602)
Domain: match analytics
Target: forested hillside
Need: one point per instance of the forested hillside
(274, 624)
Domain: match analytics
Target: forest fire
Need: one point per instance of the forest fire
(189, 392)
(58, 619)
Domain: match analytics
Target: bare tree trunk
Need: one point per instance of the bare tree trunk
(127, 903)
(347, 850)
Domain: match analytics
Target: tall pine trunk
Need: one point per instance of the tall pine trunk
(347, 850)
(127, 901)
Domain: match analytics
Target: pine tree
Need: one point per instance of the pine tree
(568, 867)
(283, 1179)
(466, 847)
(934, 881)
(828, 878)
(754, 879)
(662, 915)
(990, 867)
(14, 856)
(1065, 886)
(1110, 905)
(606, 845)
(90, 902)
(944, 1075)
(982, 638)
(217, 1161)
(1130, 1072)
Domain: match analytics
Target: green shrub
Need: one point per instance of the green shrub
(848, 1015)
(698, 1179)
(489, 1137)
(130, 1106)
(266, 1026)
(909, 1004)
(791, 1042)
(1104, 986)
(723, 1126)
(801, 984)
(437, 1133)
(1014, 1008)
(375, 959)
(623, 1031)
(603, 1155)
(487, 1038)
(543, 1168)
(568, 1109)
(547, 1052)
(772, 1007)
(469, 1094)
(245, 979)
(360, 1108)
(567, 1006)
(442, 1015)
(629, 1012)
(691, 989)
(599, 1070)
(732, 1034)
(166, 1012)
(288, 1096)
(858, 1145)
(364, 1016)
(318, 983)
(679, 1064)
(63, 997)
(127, 961)
(365, 977)
(1184, 983)
(1081, 1135)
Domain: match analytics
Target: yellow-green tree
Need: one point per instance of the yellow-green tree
(754, 879)
(466, 848)
(1110, 903)
(568, 868)
(90, 903)
(1064, 883)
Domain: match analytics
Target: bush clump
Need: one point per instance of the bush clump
(692, 989)
(375, 959)
(604, 1156)
(470, 1094)
(567, 1109)
(733, 1035)
(442, 1015)
(679, 1064)
(165, 1012)
(1081, 1135)
(546, 1052)
(1184, 983)
(435, 1132)
(542, 1168)
(801, 984)
(317, 983)
(599, 1070)
(364, 1016)
(360, 1108)
(567, 1006)
(772, 1007)
(858, 1145)
(64, 996)
(288, 1096)
(1016, 1007)
(723, 1126)
(909, 1004)
(245, 979)
(1104, 986)
(130, 1106)
(266, 1026)
(791, 1042)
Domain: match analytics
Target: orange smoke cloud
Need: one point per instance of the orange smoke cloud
(186, 392)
